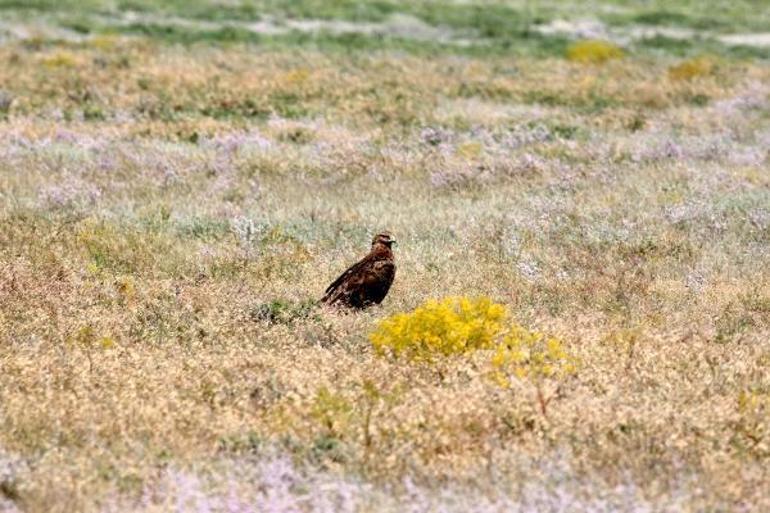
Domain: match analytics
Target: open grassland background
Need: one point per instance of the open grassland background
(180, 180)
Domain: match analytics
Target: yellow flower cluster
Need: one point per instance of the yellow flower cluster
(593, 51)
(60, 60)
(453, 325)
(458, 325)
(752, 401)
(692, 68)
(523, 353)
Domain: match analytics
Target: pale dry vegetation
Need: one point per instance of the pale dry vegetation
(169, 214)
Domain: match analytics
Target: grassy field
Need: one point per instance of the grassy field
(179, 181)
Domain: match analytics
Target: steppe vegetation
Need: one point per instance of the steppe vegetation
(179, 181)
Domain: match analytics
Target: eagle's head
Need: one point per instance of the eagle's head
(385, 238)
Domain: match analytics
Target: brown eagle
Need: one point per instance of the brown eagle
(367, 282)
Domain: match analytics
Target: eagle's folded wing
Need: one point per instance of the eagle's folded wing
(346, 282)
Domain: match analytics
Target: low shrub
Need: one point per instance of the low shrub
(281, 311)
(60, 60)
(530, 354)
(460, 325)
(593, 51)
(450, 326)
(692, 68)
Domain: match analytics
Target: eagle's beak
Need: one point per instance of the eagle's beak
(394, 242)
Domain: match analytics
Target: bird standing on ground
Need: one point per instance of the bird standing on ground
(367, 282)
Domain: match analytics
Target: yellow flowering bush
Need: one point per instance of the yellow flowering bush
(453, 325)
(593, 51)
(523, 353)
(458, 325)
(60, 60)
(691, 68)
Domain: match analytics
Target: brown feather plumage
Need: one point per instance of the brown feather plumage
(368, 281)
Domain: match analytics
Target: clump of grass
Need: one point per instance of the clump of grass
(752, 428)
(104, 42)
(469, 150)
(331, 410)
(86, 337)
(450, 326)
(281, 311)
(60, 60)
(692, 68)
(593, 51)
(6, 100)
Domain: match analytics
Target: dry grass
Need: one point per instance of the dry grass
(169, 214)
